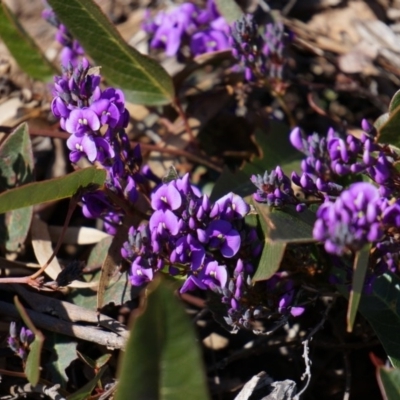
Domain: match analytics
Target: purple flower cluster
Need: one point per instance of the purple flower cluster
(357, 217)
(332, 156)
(72, 51)
(19, 342)
(208, 244)
(96, 120)
(273, 188)
(261, 55)
(203, 30)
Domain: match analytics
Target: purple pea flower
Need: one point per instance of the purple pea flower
(163, 221)
(352, 220)
(166, 197)
(215, 275)
(94, 147)
(188, 250)
(220, 235)
(81, 121)
(140, 272)
(107, 112)
(172, 26)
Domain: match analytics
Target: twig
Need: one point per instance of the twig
(182, 153)
(182, 114)
(307, 372)
(88, 333)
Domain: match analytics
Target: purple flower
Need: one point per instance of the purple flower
(188, 250)
(215, 275)
(140, 272)
(192, 282)
(94, 147)
(81, 121)
(166, 197)
(107, 111)
(213, 38)
(220, 235)
(172, 26)
(162, 222)
(352, 220)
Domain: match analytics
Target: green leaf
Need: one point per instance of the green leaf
(22, 47)
(390, 383)
(51, 189)
(270, 260)
(229, 9)
(280, 227)
(86, 359)
(143, 80)
(162, 360)
(32, 365)
(388, 127)
(382, 310)
(395, 102)
(63, 350)
(360, 269)
(16, 167)
(286, 224)
(84, 392)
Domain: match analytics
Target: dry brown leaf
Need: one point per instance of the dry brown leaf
(41, 243)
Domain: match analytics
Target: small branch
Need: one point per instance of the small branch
(181, 153)
(88, 333)
(182, 114)
(307, 372)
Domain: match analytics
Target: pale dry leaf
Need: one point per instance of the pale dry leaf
(43, 249)
(77, 234)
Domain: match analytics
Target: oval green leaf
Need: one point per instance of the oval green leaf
(22, 47)
(51, 189)
(16, 169)
(162, 360)
(143, 80)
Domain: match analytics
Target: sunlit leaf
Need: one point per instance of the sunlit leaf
(22, 47)
(51, 189)
(63, 351)
(143, 80)
(162, 360)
